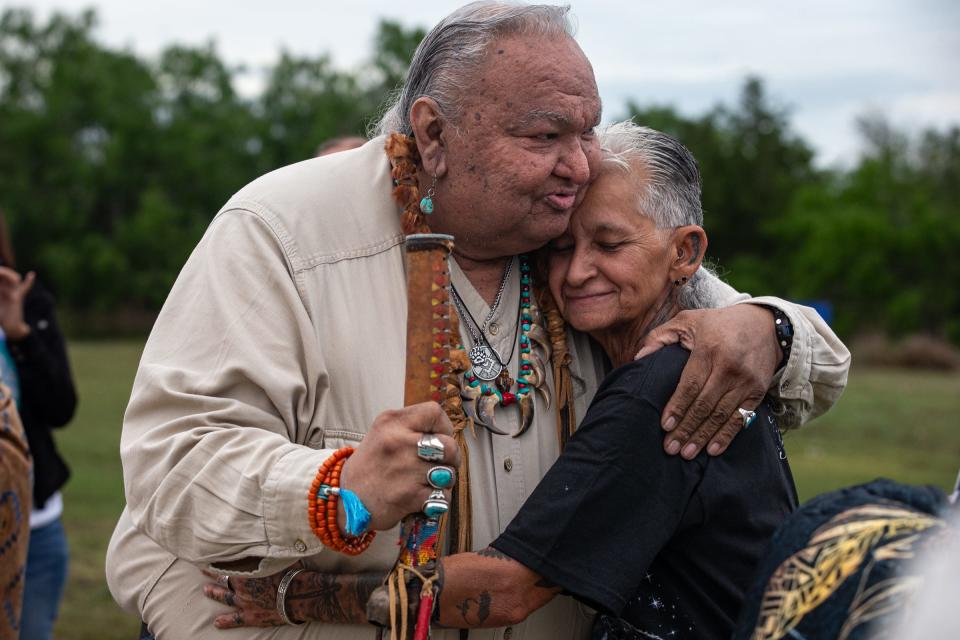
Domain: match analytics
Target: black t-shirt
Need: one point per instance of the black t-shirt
(668, 545)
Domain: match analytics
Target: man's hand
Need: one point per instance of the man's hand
(13, 290)
(254, 600)
(311, 597)
(734, 354)
(386, 473)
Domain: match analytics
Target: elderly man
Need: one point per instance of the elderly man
(283, 338)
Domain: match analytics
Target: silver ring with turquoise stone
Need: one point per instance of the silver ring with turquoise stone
(440, 477)
(435, 505)
(748, 416)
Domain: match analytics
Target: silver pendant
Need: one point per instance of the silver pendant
(486, 364)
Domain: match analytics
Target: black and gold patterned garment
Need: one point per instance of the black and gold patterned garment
(840, 566)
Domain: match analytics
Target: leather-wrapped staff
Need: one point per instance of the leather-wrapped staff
(431, 335)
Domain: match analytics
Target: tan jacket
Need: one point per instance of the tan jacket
(282, 340)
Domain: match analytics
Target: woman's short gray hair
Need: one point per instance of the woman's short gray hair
(670, 195)
(455, 48)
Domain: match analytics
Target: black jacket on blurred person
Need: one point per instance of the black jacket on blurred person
(47, 396)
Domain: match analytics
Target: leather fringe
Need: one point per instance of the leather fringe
(462, 520)
(562, 379)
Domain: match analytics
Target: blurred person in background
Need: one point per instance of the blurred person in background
(340, 143)
(15, 498)
(33, 357)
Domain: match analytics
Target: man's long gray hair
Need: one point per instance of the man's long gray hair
(453, 50)
(671, 195)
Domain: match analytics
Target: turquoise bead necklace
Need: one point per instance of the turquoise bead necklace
(480, 397)
(502, 387)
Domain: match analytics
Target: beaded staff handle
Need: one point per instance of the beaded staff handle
(429, 341)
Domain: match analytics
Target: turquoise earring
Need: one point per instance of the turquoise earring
(426, 203)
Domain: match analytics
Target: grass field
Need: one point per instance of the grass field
(901, 425)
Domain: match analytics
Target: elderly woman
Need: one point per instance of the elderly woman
(666, 547)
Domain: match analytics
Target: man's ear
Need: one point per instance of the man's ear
(689, 245)
(429, 131)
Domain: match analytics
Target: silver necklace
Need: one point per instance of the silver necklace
(484, 358)
(487, 363)
(496, 300)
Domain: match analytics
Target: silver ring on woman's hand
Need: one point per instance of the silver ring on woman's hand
(440, 477)
(435, 505)
(430, 448)
(747, 416)
(224, 581)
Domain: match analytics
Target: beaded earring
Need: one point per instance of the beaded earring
(426, 203)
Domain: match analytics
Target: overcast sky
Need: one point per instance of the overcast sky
(828, 60)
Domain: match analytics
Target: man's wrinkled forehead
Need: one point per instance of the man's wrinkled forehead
(563, 119)
(530, 72)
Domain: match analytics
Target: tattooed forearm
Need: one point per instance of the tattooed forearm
(489, 589)
(483, 610)
(490, 552)
(365, 585)
(475, 611)
(464, 608)
(331, 598)
(322, 599)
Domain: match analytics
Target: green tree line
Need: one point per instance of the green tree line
(878, 242)
(112, 165)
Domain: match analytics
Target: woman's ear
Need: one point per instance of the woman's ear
(429, 131)
(689, 245)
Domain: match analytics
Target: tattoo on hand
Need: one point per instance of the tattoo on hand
(263, 591)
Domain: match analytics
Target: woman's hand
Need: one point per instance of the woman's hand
(13, 289)
(733, 356)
